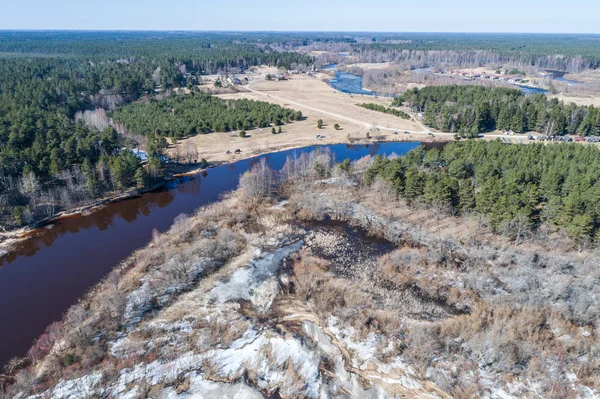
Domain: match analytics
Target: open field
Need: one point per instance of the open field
(316, 100)
(579, 100)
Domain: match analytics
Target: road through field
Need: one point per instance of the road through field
(316, 100)
(367, 125)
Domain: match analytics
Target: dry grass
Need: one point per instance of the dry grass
(492, 301)
(316, 100)
(465, 308)
(152, 277)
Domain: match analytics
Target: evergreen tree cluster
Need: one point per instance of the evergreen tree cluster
(47, 77)
(470, 110)
(184, 115)
(199, 52)
(516, 187)
(38, 102)
(48, 160)
(386, 110)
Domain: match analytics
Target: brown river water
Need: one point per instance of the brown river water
(48, 273)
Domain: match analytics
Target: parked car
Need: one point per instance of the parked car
(238, 151)
(394, 132)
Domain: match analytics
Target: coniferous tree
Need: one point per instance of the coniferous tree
(515, 187)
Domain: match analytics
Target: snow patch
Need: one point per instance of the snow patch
(267, 356)
(245, 281)
(78, 388)
(204, 389)
(265, 294)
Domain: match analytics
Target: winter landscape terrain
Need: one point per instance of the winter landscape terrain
(313, 283)
(256, 200)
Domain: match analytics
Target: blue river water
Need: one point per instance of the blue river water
(349, 83)
(352, 84)
(533, 90)
(570, 82)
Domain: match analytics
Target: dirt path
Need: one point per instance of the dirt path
(367, 125)
(316, 100)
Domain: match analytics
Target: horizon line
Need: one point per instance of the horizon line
(290, 31)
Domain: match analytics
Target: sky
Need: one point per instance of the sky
(548, 16)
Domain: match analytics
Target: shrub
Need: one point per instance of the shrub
(68, 359)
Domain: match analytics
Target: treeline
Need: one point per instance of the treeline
(83, 167)
(183, 115)
(386, 110)
(565, 52)
(470, 110)
(516, 187)
(48, 161)
(570, 53)
(201, 52)
(474, 58)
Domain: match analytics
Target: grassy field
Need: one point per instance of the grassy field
(316, 100)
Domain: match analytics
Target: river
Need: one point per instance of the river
(49, 272)
(559, 76)
(533, 90)
(352, 84)
(569, 82)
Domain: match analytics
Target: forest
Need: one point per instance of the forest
(572, 53)
(470, 110)
(202, 52)
(184, 115)
(49, 161)
(47, 78)
(518, 189)
(386, 110)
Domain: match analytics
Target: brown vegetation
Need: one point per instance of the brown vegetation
(446, 306)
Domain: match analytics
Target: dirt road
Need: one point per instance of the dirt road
(316, 100)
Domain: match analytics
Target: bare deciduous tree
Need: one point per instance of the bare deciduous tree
(190, 151)
(257, 182)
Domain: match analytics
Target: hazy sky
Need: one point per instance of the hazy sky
(577, 16)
